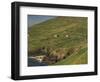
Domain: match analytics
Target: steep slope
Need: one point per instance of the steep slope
(66, 33)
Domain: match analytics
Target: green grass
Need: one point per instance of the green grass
(42, 34)
(76, 58)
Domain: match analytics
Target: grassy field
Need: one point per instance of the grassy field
(64, 38)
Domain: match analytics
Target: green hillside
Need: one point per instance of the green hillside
(63, 39)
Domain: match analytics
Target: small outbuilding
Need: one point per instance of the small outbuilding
(66, 36)
(56, 35)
